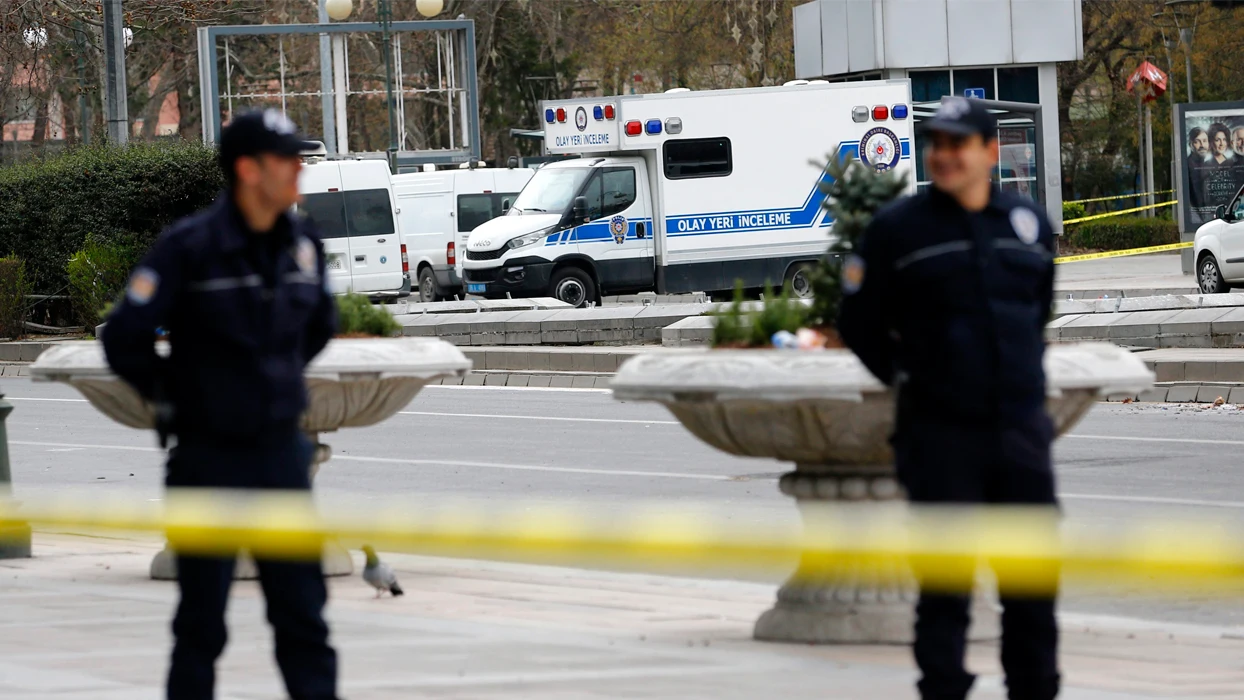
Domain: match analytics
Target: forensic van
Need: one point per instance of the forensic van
(352, 205)
(685, 191)
(438, 209)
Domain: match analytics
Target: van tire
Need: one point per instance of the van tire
(573, 286)
(799, 281)
(427, 286)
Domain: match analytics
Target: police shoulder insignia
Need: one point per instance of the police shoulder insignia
(1027, 226)
(305, 256)
(852, 274)
(143, 285)
(618, 226)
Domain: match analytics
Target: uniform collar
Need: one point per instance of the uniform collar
(944, 199)
(236, 235)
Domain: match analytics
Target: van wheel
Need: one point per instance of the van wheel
(573, 286)
(427, 286)
(1209, 276)
(799, 281)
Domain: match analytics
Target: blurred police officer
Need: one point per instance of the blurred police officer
(239, 289)
(947, 301)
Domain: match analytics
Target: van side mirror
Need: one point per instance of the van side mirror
(579, 213)
(512, 162)
(505, 205)
(1221, 213)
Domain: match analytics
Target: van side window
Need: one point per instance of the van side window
(618, 185)
(475, 209)
(370, 212)
(690, 158)
(328, 211)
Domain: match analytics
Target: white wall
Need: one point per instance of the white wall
(849, 36)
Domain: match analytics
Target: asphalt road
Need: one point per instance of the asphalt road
(1122, 464)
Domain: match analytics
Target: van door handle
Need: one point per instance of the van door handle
(360, 258)
(380, 240)
(639, 230)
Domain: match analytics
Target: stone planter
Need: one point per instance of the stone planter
(828, 415)
(352, 383)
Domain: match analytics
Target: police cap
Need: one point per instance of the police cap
(960, 116)
(259, 132)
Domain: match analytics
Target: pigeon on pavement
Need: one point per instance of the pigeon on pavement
(379, 575)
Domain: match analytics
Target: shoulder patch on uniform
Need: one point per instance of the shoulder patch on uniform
(143, 285)
(852, 274)
(305, 256)
(1027, 226)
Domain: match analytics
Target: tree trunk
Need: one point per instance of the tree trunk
(41, 123)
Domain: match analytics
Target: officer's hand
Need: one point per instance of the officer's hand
(164, 415)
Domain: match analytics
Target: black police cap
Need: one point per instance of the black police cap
(961, 116)
(259, 132)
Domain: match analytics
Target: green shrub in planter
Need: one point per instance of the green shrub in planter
(1122, 232)
(120, 195)
(97, 276)
(1073, 210)
(356, 315)
(14, 286)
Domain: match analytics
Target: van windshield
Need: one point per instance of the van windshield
(352, 213)
(550, 191)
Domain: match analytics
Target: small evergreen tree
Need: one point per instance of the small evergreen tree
(854, 193)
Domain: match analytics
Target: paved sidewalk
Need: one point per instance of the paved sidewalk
(81, 621)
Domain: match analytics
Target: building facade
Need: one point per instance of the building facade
(993, 49)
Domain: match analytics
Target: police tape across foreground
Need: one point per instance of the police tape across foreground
(1028, 548)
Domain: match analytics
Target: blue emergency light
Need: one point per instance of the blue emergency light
(549, 116)
(598, 113)
(899, 112)
(653, 127)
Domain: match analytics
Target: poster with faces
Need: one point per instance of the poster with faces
(1214, 160)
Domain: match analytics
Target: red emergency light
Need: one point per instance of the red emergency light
(634, 128)
(609, 112)
(561, 115)
(881, 113)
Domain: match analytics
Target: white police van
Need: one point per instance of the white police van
(438, 209)
(352, 205)
(685, 191)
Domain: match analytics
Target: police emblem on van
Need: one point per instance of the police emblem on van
(618, 226)
(580, 119)
(879, 149)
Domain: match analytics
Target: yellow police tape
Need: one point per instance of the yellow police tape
(1115, 197)
(1119, 212)
(1028, 548)
(1122, 253)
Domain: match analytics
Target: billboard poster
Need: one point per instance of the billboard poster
(1212, 153)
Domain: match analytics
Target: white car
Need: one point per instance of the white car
(1219, 249)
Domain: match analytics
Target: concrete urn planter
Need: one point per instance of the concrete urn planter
(828, 415)
(352, 383)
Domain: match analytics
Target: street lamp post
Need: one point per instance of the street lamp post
(115, 97)
(384, 10)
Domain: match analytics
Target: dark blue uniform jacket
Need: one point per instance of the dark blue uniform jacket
(245, 313)
(951, 306)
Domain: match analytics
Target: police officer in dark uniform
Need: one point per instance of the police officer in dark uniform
(947, 301)
(239, 287)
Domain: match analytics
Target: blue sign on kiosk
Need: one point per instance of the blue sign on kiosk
(974, 93)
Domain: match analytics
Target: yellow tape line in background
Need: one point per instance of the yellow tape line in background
(1122, 253)
(1120, 196)
(1027, 547)
(1121, 211)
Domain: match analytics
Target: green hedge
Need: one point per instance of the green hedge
(357, 316)
(14, 286)
(1072, 211)
(97, 276)
(122, 196)
(1122, 232)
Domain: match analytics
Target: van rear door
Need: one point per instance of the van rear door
(324, 203)
(375, 252)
